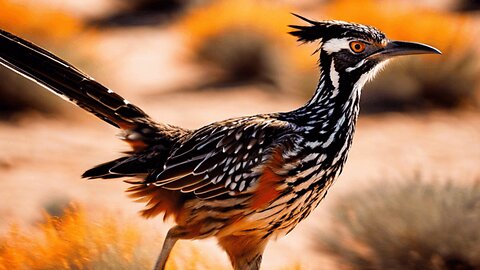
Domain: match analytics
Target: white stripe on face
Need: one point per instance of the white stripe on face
(336, 45)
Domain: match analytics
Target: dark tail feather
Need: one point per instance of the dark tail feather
(68, 82)
(103, 170)
(122, 167)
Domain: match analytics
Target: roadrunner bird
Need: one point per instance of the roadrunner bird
(244, 180)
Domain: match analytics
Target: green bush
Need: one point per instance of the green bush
(414, 225)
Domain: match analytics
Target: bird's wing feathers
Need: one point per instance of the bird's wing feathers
(223, 157)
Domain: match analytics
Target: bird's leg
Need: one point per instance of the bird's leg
(250, 264)
(245, 252)
(173, 235)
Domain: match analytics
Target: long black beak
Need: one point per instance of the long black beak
(396, 48)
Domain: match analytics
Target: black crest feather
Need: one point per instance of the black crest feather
(328, 29)
(308, 33)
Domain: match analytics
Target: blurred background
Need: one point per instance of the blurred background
(409, 196)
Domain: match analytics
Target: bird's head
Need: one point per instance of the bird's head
(353, 52)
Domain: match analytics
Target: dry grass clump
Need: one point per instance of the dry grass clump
(73, 242)
(77, 241)
(447, 81)
(414, 225)
(245, 41)
(34, 23)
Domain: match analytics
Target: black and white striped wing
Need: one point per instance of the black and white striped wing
(224, 157)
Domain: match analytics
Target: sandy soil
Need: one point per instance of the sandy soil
(41, 159)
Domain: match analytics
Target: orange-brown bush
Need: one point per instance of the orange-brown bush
(73, 242)
(246, 41)
(414, 225)
(78, 241)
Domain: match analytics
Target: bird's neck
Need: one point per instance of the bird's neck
(335, 103)
(327, 123)
(329, 118)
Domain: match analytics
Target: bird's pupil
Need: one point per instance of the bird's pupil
(357, 46)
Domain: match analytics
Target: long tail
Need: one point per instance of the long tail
(151, 142)
(68, 82)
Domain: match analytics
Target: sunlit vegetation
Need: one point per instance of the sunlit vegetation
(246, 41)
(73, 241)
(408, 226)
(76, 240)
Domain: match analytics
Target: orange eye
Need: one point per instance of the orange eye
(357, 46)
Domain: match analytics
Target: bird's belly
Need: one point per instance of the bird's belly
(234, 216)
(280, 217)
